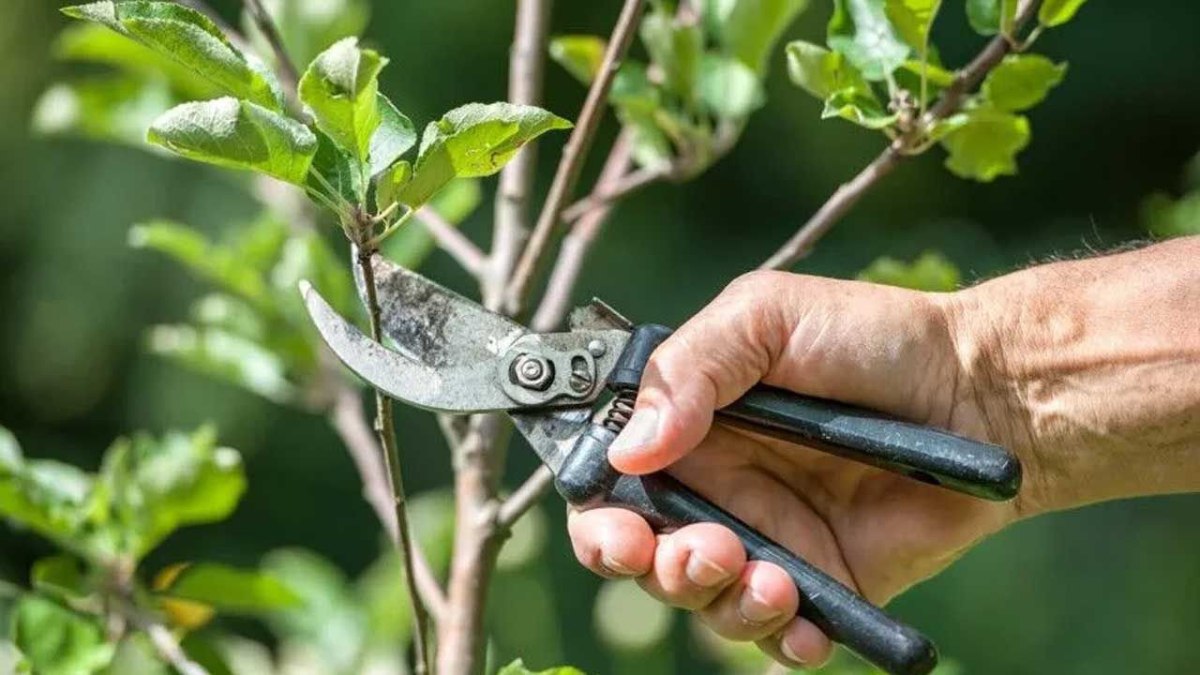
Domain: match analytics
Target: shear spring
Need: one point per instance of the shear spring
(620, 411)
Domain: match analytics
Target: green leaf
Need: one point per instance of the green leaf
(518, 668)
(860, 30)
(336, 173)
(226, 356)
(159, 485)
(60, 577)
(471, 141)
(394, 136)
(986, 144)
(237, 134)
(675, 47)
(191, 39)
(46, 496)
(580, 55)
(309, 256)
(1021, 81)
(329, 619)
(860, 108)
(748, 29)
(990, 17)
(1166, 217)
(934, 74)
(340, 87)
(231, 590)
(1057, 12)
(190, 248)
(821, 72)
(410, 246)
(56, 640)
(930, 272)
(729, 88)
(913, 19)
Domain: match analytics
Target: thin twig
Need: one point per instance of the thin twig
(266, 25)
(451, 240)
(615, 190)
(347, 419)
(845, 197)
(525, 496)
(527, 60)
(577, 243)
(385, 428)
(569, 167)
(164, 643)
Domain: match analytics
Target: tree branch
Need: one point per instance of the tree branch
(452, 241)
(848, 194)
(266, 25)
(524, 497)
(346, 416)
(385, 429)
(574, 153)
(556, 300)
(614, 190)
(527, 60)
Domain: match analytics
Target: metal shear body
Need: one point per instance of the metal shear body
(452, 355)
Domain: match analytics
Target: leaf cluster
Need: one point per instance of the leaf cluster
(880, 70)
(688, 102)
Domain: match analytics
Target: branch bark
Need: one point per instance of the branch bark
(849, 194)
(527, 60)
(452, 241)
(569, 167)
(385, 429)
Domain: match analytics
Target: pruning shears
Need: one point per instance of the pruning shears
(570, 393)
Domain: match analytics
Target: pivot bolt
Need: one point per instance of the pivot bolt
(531, 372)
(597, 348)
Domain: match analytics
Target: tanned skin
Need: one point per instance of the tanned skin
(1088, 370)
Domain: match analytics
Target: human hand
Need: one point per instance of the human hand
(884, 348)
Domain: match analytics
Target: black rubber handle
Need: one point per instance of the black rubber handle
(587, 480)
(923, 453)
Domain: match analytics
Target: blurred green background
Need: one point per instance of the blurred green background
(1109, 589)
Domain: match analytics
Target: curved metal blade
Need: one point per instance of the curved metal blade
(448, 384)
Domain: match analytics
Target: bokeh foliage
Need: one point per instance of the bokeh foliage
(1117, 129)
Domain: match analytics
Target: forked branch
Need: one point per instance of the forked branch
(849, 194)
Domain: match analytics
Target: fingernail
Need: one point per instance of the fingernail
(704, 572)
(642, 429)
(754, 609)
(615, 567)
(789, 652)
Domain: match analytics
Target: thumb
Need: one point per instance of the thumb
(707, 364)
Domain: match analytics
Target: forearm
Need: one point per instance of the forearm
(1090, 369)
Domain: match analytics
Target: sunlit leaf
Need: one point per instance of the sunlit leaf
(729, 88)
(929, 272)
(860, 108)
(237, 134)
(190, 38)
(934, 74)
(989, 17)
(394, 136)
(1166, 217)
(674, 46)
(821, 72)
(229, 589)
(748, 29)
(913, 19)
(96, 43)
(335, 172)
(1021, 81)
(57, 641)
(190, 248)
(986, 144)
(328, 619)
(225, 356)
(340, 87)
(44, 495)
(518, 668)
(860, 30)
(579, 55)
(1058, 12)
(472, 141)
